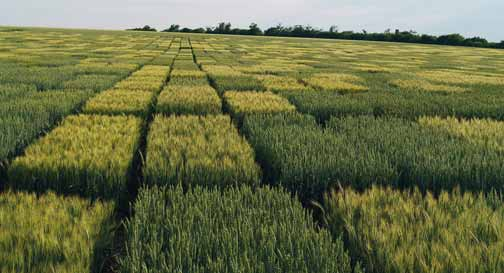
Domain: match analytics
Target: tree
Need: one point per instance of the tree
(476, 41)
(275, 31)
(303, 31)
(254, 30)
(388, 35)
(173, 28)
(451, 39)
(145, 28)
(148, 28)
(223, 28)
(199, 30)
(428, 39)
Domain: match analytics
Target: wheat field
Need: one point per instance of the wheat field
(169, 152)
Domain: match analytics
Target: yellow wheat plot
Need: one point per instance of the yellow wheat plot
(192, 150)
(200, 99)
(282, 83)
(458, 77)
(337, 82)
(88, 155)
(241, 103)
(484, 132)
(423, 85)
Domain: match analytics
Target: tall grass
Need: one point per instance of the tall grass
(86, 155)
(189, 100)
(434, 154)
(241, 103)
(92, 82)
(336, 82)
(25, 114)
(238, 83)
(121, 102)
(409, 105)
(147, 84)
(237, 230)
(198, 150)
(278, 83)
(49, 234)
(406, 232)
(298, 155)
(362, 151)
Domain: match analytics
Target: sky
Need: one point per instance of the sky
(468, 17)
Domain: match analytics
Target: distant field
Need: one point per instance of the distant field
(161, 152)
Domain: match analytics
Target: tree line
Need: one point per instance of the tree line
(333, 32)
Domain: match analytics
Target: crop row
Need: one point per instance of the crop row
(188, 92)
(86, 155)
(49, 234)
(197, 150)
(242, 103)
(405, 104)
(25, 113)
(393, 231)
(201, 209)
(195, 100)
(132, 96)
(69, 159)
(432, 153)
(34, 98)
(94, 77)
(226, 78)
(237, 230)
(388, 230)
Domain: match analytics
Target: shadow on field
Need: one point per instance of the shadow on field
(3, 175)
(108, 247)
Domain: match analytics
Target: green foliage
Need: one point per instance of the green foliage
(362, 151)
(298, 155)
(188, 77)
(238, 230)
(92, 82)
(433, 154)
(412, 105)
(165, 60)
(187, 64)
(48, 74)
(45, 78)
(25, 114)
(406, 232)
(86, 155)
(105, 68)
(16, 91)
(194, 100)
(187, 80)
(197, 150)
(238, 83)
(49, 234)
